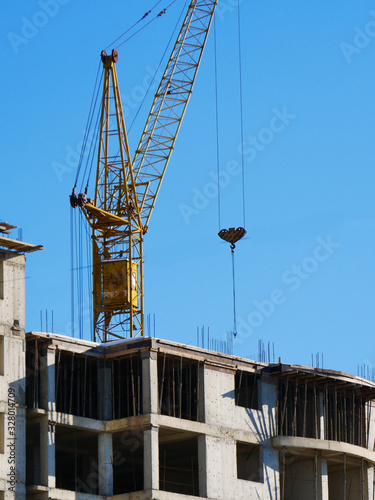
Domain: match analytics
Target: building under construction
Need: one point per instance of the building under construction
(139, 418)
(152, 419)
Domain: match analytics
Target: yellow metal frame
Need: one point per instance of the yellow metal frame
(126, 190)
(117, 230)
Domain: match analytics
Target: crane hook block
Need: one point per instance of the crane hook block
(232, 235)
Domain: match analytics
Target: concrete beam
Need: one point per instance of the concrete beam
(130, 423)
(78, 422)
(58, 494)
(309, 444)
(180, 424)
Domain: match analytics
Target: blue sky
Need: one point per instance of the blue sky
(305, 272)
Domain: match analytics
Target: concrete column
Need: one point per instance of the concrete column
(105, 454)
(12, 301)
(371, 425)
(370, 483)
(47, 380)
(268, 405)
(271, 472)
(47, 454)
(202, 466)
(105, 391)
(216, 393)
(221, 470)
(20, 434)
(271, 465)
(13, 412)
(201, 393)
(324, 476)
(321, 415)
(15, 369)
(150, 382)
(151, 458)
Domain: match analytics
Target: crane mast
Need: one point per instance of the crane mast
(126, 190)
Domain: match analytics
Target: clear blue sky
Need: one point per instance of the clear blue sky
(305, 274)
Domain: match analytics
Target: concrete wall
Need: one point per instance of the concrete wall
(12, 376)
(12, 306)
(221, 409)
(254, 426)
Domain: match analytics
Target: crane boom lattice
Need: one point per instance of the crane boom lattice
(116, 227)
(169, 105)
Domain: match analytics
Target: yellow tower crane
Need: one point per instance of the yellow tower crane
(126, 189)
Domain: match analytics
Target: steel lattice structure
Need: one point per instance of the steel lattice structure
(126, 190)
(170, 102)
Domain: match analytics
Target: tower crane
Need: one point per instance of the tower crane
(126, 188)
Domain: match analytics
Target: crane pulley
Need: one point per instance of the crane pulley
(126, 189)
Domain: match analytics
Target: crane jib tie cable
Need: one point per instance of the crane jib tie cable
(160, 14)
(231, 235)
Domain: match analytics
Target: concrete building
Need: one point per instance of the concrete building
(12, 364)
(148, 419)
